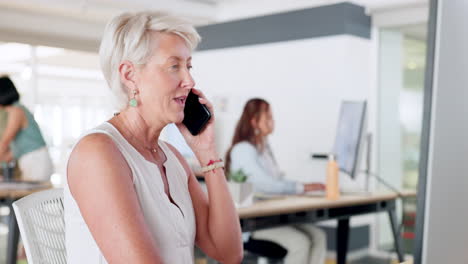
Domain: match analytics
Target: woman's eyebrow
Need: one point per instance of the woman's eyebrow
(178, 58)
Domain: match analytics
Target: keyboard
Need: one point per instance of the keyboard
(315, 194)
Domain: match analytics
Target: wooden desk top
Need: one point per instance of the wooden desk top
(291, 204)
(13, 192)
(408, 193)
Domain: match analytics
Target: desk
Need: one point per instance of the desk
(8, 194)
(303, 209)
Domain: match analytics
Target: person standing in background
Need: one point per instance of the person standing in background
(3, 122)
(251, 152)
(22, 139)
(4, 165)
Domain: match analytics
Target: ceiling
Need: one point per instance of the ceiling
(78, 24)
(199, 11)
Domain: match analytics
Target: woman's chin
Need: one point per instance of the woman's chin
(178, 119)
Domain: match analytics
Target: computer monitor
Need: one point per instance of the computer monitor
(350, 135)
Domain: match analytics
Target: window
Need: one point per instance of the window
(401, 80)
(64, 89)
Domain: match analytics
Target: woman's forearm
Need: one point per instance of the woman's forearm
(4, 146)
(223, 220)
(5, 155)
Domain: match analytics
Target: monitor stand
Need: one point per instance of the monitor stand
(356, 191)
(367, 172)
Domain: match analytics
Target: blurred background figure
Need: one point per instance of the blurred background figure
(3, 122)
(21, 139)
(251, 152)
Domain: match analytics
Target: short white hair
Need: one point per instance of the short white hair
(128, 37)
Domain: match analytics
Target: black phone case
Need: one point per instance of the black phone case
(196, 115)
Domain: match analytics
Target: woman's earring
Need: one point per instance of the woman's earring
(133, 102)
(256, 131)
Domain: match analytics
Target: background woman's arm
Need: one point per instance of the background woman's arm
(15, 121)
(6, 156)
(244, 156)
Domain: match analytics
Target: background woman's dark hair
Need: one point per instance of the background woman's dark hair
(8, 92)
(244, 129)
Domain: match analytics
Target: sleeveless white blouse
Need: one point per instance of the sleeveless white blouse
(172, 228)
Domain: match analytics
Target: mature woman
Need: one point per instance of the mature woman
(21, 139)
(131, 198)
(251, 152)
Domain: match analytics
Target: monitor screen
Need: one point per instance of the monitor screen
(349, 136)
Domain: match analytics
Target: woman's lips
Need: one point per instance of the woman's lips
(181, 100)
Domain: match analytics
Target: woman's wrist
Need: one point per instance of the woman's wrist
(204, 157)
(213, 165)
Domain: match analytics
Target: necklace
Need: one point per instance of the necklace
(151, 149)
(154, 150)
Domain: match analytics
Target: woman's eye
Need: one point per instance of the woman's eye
(175, 67)
(189, 67)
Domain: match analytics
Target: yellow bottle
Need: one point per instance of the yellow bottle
(333, 186)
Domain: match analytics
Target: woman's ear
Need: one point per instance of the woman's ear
(127, 73)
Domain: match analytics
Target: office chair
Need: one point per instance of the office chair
(255, 252)
(42, 226)
(263, 251)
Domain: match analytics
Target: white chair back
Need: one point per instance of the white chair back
(42, 226)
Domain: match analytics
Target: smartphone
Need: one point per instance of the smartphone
(196, 115)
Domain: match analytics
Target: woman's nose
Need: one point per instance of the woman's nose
(187, 80)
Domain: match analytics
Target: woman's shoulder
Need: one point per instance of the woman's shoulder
(242, 147)
(16, 113)
(94, 143)
(96, 153)
(15, 109)
(18, 107)
(97, 141)
(101, 134)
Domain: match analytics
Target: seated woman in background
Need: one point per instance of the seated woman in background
(22, 140)
(251, 152)
(129, 197)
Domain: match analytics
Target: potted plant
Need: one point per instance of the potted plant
(241, 190)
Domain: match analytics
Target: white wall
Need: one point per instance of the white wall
(304, 81)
